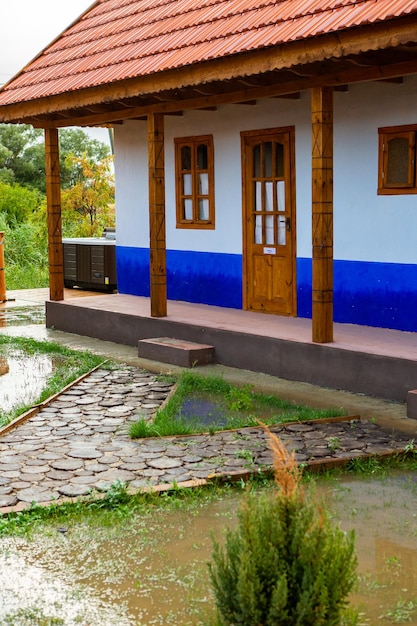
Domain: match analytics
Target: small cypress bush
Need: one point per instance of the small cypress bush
(286, 564)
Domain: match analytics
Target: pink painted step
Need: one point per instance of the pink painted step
(176, 351)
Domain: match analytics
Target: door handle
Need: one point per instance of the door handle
(288, 224)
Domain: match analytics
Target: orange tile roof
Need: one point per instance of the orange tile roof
(121, 39)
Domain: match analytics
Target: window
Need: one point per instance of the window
(397, 160)
(194, 167)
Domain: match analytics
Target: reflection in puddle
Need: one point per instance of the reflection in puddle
(23, 382)
(4, 366)
(204, 409)
(50, 599)
(207, 409)
(153, 566)
(22, 316)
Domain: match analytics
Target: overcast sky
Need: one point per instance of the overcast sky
(28, 26)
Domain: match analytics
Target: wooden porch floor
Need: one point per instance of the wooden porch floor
(374, 361)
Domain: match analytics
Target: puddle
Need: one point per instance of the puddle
(209, 409)
(204, 410)
(23, 378)
(22, 316)
(152, 568)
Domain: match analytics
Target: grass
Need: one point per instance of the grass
(239, 407)
(68, 366)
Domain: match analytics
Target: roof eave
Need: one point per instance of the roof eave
(337, 45)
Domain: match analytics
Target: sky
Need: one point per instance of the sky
(28, 26)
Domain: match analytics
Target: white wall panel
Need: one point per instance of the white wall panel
(369, 227)
(131, 175)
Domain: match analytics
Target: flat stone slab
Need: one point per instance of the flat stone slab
(74, 491)
(34, 494)
(88, 453)
(66, 464)
(164, 463)
(9, 500)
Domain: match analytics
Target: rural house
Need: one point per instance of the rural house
(264, 151)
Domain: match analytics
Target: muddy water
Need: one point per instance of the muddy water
(23, 379)
(152, 569)
(22, 316)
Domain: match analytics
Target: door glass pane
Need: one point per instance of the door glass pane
(203, 209)
(185, 158)
(269, 200)
(202, 157)
(258, 196)
(270, 235)
(257, 161)
(268, 159)
(203, 184)
(279, 160)
(397, 170)
(258, 229)
(281, 195)
(282, 231)
(188, 209)
(187, 182)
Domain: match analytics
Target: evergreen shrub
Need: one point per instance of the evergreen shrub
(286, 564)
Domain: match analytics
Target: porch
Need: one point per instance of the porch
(374, 361)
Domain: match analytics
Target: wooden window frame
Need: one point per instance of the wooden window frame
(195, 222)
(385, 135)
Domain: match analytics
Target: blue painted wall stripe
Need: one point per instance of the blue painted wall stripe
(371, 294)
(200, 277)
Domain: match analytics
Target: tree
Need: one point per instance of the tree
(75, 142)
(286, 564)
(22, 155)
(18, 204)
(88, 205)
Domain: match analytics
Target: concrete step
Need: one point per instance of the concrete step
(176, 351)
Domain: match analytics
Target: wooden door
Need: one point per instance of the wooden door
(269, 221)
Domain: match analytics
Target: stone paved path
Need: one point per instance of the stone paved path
(80, 443)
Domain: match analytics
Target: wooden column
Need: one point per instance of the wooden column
(322, 213)
(157, 215)
(53, 200)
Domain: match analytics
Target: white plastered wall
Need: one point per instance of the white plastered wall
(368, 227)
(225, 124)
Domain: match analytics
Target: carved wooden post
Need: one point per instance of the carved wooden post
(53, 200)
(322, 213)
(158, 278)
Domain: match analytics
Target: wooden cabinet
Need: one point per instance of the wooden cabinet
(90, 264)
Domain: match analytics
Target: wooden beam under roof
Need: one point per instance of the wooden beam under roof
(337, 80)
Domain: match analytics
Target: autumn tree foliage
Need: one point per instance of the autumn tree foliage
(88, 205)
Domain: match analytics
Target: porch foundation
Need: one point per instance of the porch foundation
(250, 341)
